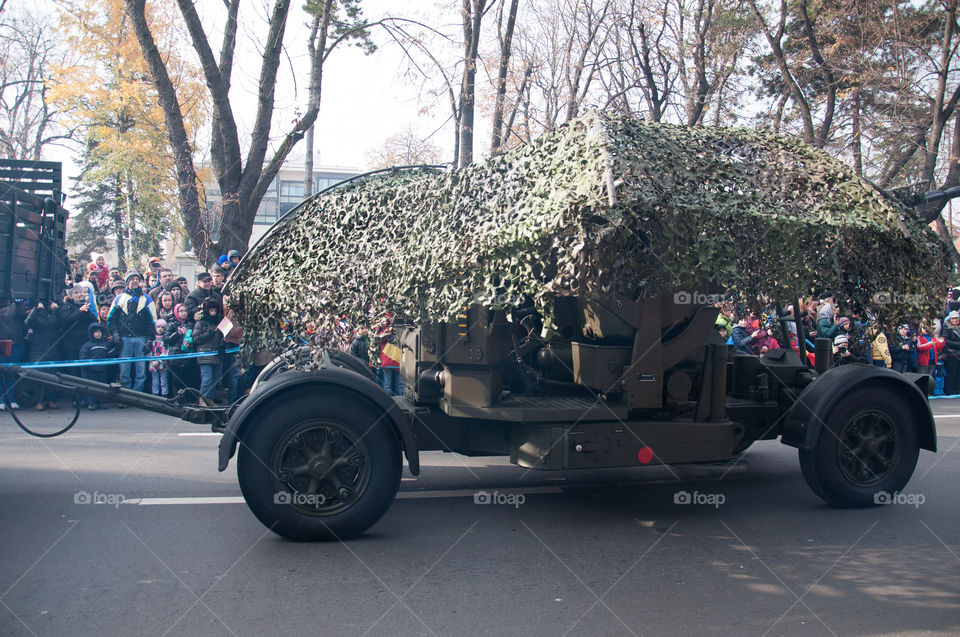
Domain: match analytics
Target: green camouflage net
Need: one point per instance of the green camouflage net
(602, 206)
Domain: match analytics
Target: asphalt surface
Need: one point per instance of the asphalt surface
(123, 526)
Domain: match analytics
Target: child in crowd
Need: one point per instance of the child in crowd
(158, 369)
(97, 347)
(207, 338)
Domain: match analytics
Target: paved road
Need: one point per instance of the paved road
(589, 553)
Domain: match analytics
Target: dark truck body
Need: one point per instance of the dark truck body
(33, 227)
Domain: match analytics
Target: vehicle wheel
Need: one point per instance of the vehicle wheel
(868, 444)
(323, 466)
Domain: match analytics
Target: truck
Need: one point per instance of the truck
(33, 257)
(556, 363)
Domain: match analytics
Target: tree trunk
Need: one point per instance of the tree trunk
(856, 145)
(118, 226)
(317, 47)
(472, 18)
(506, 43)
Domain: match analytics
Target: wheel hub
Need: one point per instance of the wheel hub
(322, 466)
(869, 448)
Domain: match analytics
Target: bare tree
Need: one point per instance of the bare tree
(27, 120)
(243, 180)
(406, 148)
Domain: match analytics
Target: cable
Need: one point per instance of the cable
(76, 416)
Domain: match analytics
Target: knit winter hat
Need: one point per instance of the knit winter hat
(161, 323)
(130, 274)
(841, 339)
(843, 320)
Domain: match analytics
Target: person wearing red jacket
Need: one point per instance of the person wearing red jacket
(928, 349)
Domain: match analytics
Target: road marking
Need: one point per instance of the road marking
(403, 495)
(946, 415)
(194, 434)
(237, 499)
(463, 493)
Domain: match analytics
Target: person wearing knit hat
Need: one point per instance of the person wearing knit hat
(159, 369)
(132, 321)
(901, 349)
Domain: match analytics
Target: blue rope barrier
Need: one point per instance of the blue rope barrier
(114, 361)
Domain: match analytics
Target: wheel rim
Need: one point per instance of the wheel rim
(869, 448)
(320, 467)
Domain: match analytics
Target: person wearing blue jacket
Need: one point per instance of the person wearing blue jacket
(132, 321)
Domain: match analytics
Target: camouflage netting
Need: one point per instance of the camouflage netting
(601, 206)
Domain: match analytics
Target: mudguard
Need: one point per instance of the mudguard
(805, 419)
(343, 380)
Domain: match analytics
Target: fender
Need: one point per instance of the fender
(804, 421)
(338, 377)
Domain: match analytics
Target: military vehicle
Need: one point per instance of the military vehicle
(550, 343)
(553, 306)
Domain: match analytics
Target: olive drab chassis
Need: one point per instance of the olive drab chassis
(619, 384)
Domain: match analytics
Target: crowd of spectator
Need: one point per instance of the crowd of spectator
(105, 314)
(927, 346)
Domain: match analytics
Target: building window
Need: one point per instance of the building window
(291, 193)
(267, 210)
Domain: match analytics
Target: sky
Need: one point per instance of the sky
(365, 98)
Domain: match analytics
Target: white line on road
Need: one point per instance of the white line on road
(194, 434)
(403, 495)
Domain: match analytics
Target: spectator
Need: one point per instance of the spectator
(207, 338)
(164, 280)
(132, 321)
(842, 355)
(218, 276)
(902, 348)
(392, 382)
(44, 334)
(12, 328)
(177, 293)
(928, 349)
(231, 366)
(183, 373)
(98, 266)
(953, 301)
(97, 347)
(75, 315)
(855, 339)
(826, 319)
(360, 347)
(201, 293)
(879, 350)
(234, 256)
(809, 320)
(742, 339)
(158, 369)
(951, 353)
(165, 306)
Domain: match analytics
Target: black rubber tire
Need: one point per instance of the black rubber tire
(270, 442)
(842, 449)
